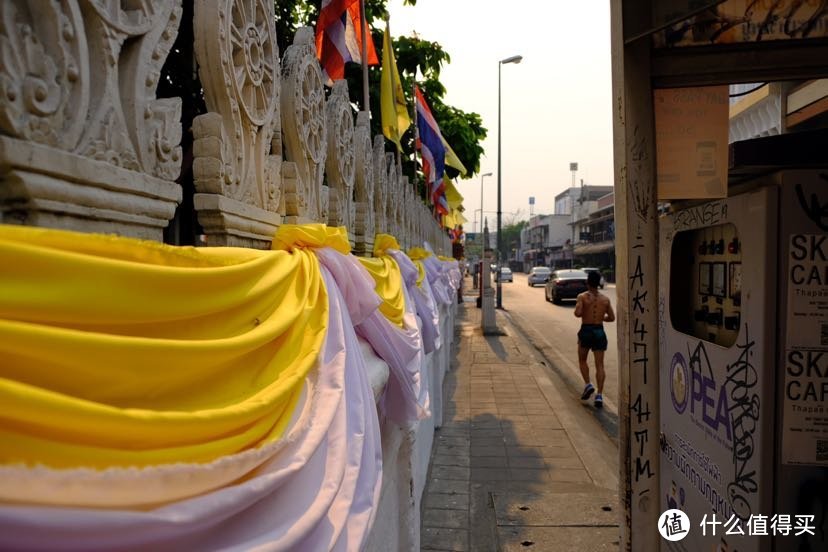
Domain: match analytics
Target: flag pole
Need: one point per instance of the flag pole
(364, 25)
(416, 128)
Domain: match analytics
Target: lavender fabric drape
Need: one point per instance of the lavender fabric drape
(424, 301)
(405, 397)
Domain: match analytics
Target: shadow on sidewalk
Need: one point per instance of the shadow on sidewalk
(504, 475)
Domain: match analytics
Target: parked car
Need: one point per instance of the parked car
(506, 274)
(565, 284)
(603, 282)
(539, 275)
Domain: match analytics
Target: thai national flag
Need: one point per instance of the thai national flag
(339, 38)
(432, 150)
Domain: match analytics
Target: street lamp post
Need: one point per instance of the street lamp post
(512, 59)
(482, 245)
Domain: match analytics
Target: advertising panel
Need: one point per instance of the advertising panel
(804, 245)
(716, 353)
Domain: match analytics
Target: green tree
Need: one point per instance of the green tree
(510, 238)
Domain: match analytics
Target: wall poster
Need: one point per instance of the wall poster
(805, 409)
(691, 142)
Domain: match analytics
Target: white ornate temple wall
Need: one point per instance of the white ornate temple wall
(86, 144)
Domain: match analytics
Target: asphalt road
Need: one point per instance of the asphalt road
(553, 329)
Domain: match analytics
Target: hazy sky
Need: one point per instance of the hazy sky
(556, 104)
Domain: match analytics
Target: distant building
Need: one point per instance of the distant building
(544, 239)
(567, 201)
(594, 231)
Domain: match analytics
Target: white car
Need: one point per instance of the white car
(506, 274)
(538, 275)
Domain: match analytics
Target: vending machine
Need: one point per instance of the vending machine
(743, 312)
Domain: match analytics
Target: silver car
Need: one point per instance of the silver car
(505, 274)
(538, 275)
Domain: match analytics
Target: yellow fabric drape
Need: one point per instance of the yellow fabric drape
(387, 278)
(121, 352)
(418, 254)
(383, 242)
(421, 272)
(291, 236)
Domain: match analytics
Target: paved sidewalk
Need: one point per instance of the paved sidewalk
(519, 464)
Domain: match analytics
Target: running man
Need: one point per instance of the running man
(593, 308)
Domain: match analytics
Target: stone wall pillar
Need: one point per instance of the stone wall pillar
(84, 142)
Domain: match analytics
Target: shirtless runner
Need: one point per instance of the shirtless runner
(593, 308)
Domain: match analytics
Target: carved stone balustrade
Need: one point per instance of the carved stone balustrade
(380, 187)
(237, 148)
(364, 186)
(391, 197)
(340, 166)
(305, 132)
(84, 142)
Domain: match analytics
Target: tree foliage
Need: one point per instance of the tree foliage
(510, 238)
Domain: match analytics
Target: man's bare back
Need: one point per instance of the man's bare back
(593, 307)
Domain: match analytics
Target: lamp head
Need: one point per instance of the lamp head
(486, 174)
(513, 59)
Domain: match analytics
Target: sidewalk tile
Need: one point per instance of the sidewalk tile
(490, 474)
(443, 501)
(450, 472)
(445, 539)
(449, 519)
(575, 475)
(494, 441)
(446, 460)
(489, 462)
(452, 440)
(487, 451)
(447, 486)
(526, 474)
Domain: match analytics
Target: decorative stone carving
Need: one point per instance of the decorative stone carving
(84, 143)
(405, 213)
(340, 166)
(305, 129)
(364, 186)
(380, 186)
(392, 197)
(238, 148)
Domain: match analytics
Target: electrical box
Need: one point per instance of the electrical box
(743, 301)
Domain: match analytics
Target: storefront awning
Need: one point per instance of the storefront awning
(594, 248)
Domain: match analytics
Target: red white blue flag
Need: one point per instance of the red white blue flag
(339, 38)
(433, 152)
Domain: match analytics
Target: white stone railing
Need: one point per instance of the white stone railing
(86, 145)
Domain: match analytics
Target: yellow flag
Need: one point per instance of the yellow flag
(452, 160)
(453, 197)
(395, 120)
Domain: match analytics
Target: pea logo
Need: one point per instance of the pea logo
(678, 383)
